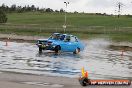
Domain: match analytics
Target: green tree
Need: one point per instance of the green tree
(49, 10)
(13, 7)
(61, 10)
(3, 17)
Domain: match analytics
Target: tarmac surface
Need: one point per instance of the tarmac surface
(18, 80)
(22, 67)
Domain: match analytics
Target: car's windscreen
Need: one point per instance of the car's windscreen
(55, 36)
(40, 41)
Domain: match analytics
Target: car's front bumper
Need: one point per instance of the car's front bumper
(46, 46)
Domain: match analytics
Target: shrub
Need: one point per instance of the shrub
(3, 17)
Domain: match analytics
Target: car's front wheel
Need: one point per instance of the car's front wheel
(40, 49)
(57, 49)
(77, 51)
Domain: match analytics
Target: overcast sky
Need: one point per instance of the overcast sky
(89, 6)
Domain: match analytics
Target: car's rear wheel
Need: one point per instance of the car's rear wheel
(77, 51)
(57, 49)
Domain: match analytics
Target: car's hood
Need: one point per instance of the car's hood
(42, 39)
(55, 41)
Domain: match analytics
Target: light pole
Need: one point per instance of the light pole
(64, 26)
(120, 5)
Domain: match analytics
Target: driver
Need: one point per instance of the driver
(62, 37)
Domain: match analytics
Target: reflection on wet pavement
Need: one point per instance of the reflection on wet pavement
(100, 61)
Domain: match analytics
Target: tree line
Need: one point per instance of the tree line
(26, 8)
(4, 9)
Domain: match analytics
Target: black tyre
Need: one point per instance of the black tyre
(77, 50)
(57, 49)
(40, 49)
(85, 81)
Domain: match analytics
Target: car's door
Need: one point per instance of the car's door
(70, 44)
(74, 43)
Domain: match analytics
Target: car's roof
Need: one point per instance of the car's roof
(68, 34)
(56, 33)
(41, 39)
(65, 34)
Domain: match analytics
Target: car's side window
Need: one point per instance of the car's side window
(67, 39)
(73, 39)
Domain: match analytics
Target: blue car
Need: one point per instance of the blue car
(61, 42)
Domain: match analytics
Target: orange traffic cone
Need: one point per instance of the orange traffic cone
(122, 52)
(86, 74)
(6, 43)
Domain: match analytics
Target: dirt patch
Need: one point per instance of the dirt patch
(125, 48)
(19, 38)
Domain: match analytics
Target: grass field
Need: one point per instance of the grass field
(80, 24)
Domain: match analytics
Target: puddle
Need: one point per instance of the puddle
(101, 61)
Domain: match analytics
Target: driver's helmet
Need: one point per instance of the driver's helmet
(62, 37)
